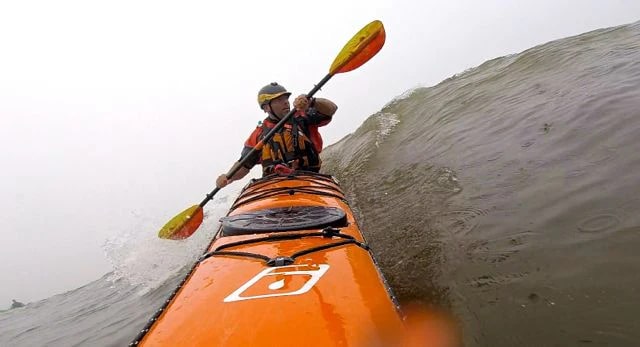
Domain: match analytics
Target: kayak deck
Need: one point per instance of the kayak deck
(288, 267)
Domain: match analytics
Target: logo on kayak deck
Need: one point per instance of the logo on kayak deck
(279, 281)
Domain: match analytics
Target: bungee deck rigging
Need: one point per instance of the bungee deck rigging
(287, 260)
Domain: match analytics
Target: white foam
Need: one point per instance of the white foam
(142, 259)
(386, 123)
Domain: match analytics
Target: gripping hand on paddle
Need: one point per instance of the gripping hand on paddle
(302, 102)
(222, 180)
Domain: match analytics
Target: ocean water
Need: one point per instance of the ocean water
(507, 194)
(111, 310)
(510, 193)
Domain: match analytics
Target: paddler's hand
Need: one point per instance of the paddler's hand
(301, 103)
(222, 181)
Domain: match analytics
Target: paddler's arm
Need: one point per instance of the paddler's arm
(251, 142)
(223, 181)
(324, 107)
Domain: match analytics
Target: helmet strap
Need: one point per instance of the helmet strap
(272, 115)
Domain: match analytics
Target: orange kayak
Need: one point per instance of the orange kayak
(288, 267)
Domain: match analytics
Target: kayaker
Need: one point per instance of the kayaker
(297, 145)
(16, 304)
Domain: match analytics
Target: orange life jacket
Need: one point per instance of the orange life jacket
(291, 146)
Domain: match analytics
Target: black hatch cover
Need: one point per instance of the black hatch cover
(283, 219)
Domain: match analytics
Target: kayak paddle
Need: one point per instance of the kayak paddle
(362, 47)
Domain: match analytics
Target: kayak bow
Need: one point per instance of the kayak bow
(287, 267)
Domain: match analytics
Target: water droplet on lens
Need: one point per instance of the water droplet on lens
(599, 223)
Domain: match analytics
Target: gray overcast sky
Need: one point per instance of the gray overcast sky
(116, 115)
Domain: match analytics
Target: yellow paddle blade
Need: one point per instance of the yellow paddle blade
(182, 225)
(362, 47)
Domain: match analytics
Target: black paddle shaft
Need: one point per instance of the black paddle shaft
(266, 138)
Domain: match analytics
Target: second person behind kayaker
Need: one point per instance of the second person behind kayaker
(297, 145)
